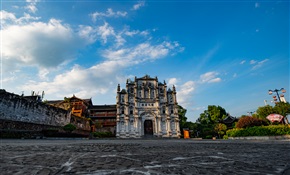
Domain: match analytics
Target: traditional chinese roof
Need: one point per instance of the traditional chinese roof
(229, 119)
(87, 101)
(54, 101)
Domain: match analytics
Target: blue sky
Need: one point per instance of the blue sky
(226, 53)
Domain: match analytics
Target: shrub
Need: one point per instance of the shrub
(102, 134)
(272, 130)
(246, 122)
(208, 137)
(69, 127)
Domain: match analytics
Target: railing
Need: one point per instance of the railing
(108, 123)
(103, 115)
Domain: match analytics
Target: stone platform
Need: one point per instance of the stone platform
(144, 156)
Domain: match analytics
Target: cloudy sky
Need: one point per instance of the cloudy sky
(227, 53)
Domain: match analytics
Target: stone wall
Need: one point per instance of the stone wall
(17, 129)
(16, 108)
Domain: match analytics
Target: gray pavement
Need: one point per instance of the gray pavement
(170, 156)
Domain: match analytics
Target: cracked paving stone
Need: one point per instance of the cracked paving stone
(156, 156)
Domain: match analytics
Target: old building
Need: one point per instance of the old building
(147, 108)
(79, 107)
(25, 116)
(103, 118)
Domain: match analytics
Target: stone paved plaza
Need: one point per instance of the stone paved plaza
(170, 156)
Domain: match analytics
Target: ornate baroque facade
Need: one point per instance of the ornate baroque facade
(147, 108)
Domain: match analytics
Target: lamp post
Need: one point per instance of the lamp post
(276, 90)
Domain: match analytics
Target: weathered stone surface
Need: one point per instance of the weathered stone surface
(17, 108)
(144, 157)
(14, 107)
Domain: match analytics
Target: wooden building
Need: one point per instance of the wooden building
(79, 107)
(103, 118)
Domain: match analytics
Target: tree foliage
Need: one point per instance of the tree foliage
(259, 131)
(209, 119)
(182, 118)
(280, 108)
(221, 129)
(193, 127)
(212, 115)
(263, 112)
(69, 127)
(246, 122)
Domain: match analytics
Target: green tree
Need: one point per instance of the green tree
(204, 118)
(212, 115)
(69, 127)
(217, 113)
(282, 108)
(279, 108)
(182, 118)
(220, 129)
(209, 118)
(264, 111)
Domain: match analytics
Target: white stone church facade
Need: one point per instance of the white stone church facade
(147, 108)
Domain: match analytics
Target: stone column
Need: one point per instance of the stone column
(118, 129)
(127, 127)
(159, 126)
(141, 127)
(168, 126)
(154, 123)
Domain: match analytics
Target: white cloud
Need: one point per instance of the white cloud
(109, 13)
(198, 108)
(215, 80)
(88, 33)
(138, 5)
(31, 7)
(100, 78)
(94, 80)
(6, 17)
(253, 62)
(184, 93)
(243, 62)
(44, 46)
(172, 81)
(141, 52)
(259, 64)
(39, 44)
(135, 32)
(42, 74)
(105, 31)
(210, 77)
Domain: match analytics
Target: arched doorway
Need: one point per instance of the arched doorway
(148, 127)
